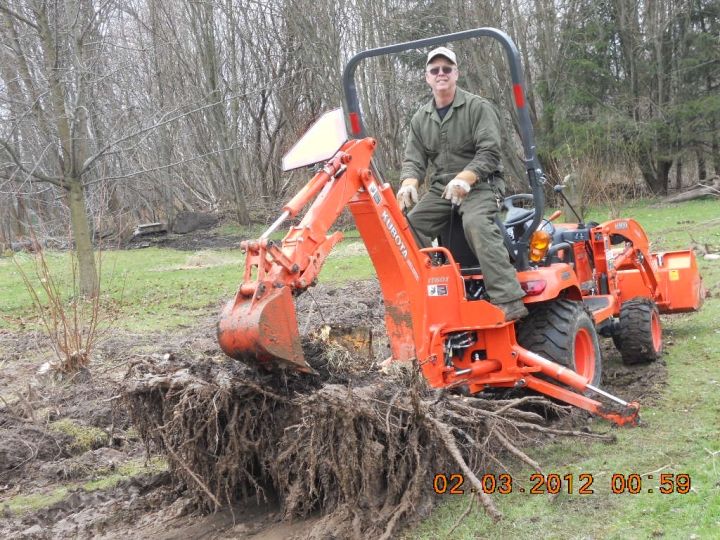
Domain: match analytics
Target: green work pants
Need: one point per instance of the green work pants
(478, 212)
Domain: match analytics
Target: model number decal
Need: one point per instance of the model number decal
(437, 290)
(374, 193)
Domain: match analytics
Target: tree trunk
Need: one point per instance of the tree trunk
(663, 173)
(81, 234)
(715, 145)
(20, 221)
(655, 173)
(241, 210)
(702, 168)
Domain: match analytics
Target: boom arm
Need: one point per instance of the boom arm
(259, 325)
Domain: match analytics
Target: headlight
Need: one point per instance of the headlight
(539, 245)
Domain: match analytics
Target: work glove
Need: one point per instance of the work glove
(456, 190)
(407, 197)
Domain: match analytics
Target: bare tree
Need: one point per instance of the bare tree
(54, 56)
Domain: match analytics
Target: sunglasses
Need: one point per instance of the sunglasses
(447, 70)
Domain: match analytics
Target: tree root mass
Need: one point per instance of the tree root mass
(361, 453)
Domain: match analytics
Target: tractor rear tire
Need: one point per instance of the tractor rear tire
(639, 337)
(563, 331)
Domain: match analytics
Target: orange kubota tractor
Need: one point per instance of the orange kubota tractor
(581, 279)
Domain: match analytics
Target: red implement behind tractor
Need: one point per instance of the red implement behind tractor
(581, 279)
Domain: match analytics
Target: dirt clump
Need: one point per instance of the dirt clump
(23, 443)
(84, 465)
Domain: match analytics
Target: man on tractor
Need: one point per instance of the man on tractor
(458, 134)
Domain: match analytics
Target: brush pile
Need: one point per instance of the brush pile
(359, 449)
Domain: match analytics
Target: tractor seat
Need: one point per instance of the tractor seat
(453, 238)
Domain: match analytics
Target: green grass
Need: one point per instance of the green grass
(84, 437)
(34, 501)
(157, 289)
(104, 479)
(252, 231)
(670, 226)
(149, 288)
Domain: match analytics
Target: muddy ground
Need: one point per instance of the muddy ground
(72, 465)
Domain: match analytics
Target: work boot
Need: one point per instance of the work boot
(513, 310)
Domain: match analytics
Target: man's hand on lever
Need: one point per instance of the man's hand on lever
(459, 187)
(407, 195)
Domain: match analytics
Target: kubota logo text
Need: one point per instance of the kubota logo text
(394, 233)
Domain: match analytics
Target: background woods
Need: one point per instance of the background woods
(138, 109)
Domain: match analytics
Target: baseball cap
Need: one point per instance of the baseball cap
(441, 51)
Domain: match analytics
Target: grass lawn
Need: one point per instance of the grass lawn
(159, 289)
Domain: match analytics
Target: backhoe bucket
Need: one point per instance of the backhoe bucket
(263, 331)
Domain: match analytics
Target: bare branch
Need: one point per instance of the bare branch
(89, 161)
(58, 181)
(160, 167)
(15, 15)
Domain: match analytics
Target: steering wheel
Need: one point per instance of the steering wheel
(517, 215)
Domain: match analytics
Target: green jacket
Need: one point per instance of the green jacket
(467, 138)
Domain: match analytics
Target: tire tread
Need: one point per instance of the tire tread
(545, 332)
(634, 339)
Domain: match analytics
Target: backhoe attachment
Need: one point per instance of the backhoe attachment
(436, 313)
(259, 326)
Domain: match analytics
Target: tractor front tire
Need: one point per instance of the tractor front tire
(639, 337)
(564, 332)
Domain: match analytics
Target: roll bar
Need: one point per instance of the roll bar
(532, 165)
